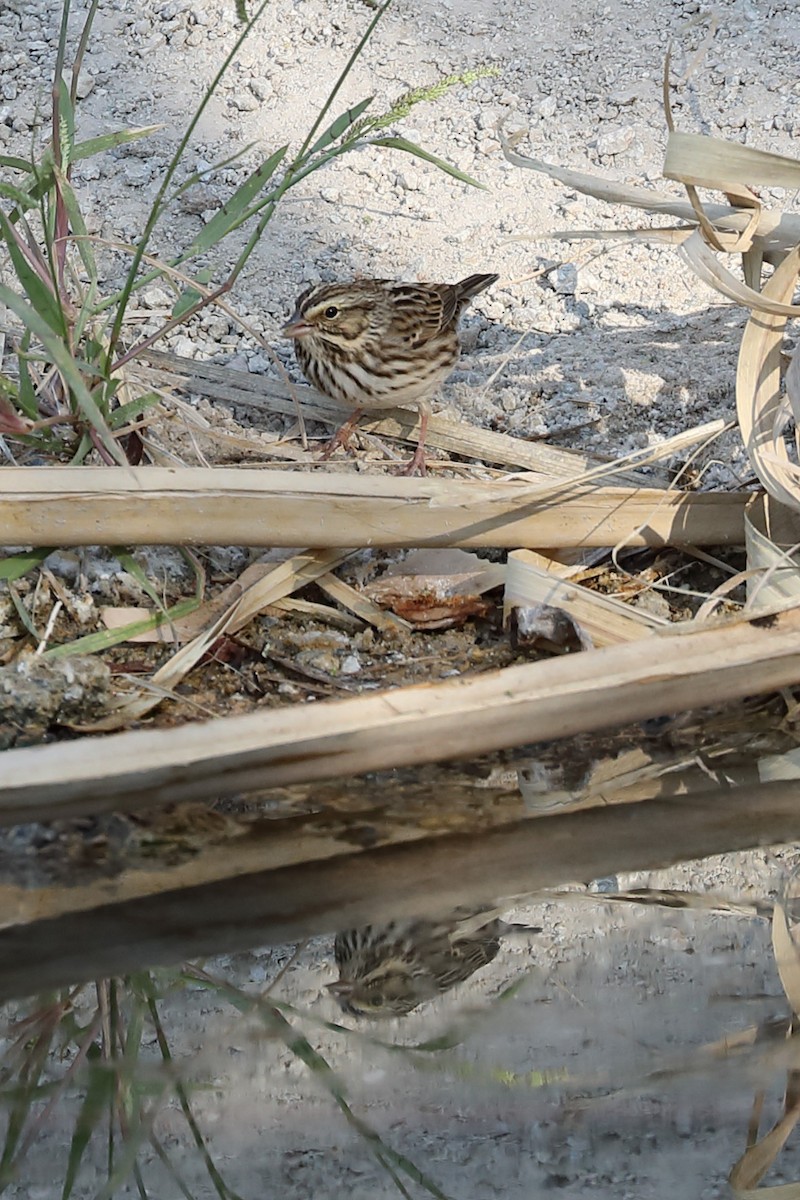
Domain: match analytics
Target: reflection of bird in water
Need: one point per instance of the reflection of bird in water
(387, 970)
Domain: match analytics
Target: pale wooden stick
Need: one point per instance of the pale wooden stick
(685, 667)
(457, 437)
(78, 506)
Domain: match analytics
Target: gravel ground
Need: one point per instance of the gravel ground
(618, 348)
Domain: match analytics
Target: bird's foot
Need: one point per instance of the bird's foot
(416, 464)
(341, 437)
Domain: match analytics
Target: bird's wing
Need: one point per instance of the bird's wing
(426, 308)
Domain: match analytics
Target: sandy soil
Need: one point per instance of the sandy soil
(618, 349)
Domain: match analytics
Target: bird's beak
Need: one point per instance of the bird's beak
(295, 327)
(342, 990)
(342, 987)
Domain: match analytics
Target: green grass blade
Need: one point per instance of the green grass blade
(156, 207)
(29, 1076)
(170, 1168)
(133, 409)
(17, 164)
(188, 298)
(130, 564)
(232, 211)
(401, 143)
(337, 87)
(22, 612)
(389, 1158)
(218, 1183)
(298, 1044)
(83, 449)
(340, 125)
(83, 40)
(93, 643)
(138, 1131)
(108, 141)
(40, 293)
(86, 312)
(66, 116)
(200, 177)
(16, 195)
(100, 1090)
(62, 359)
(78, 225)
(18, 565)
(43, 177)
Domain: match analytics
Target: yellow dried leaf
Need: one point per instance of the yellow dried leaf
(757, 1159)
(787, 957)
(705, 263)
(712, 162)
(760, 409)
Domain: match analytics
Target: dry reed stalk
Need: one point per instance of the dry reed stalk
(77, 506)
(773, 236)
(259, 586)
(353, 888)
(687, 666)
(456, 437)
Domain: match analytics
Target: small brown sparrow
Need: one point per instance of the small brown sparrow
(376, 344)
(387, 970)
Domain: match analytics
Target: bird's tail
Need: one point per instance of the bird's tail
(473, 284)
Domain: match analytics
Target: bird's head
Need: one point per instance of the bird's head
(392, 992)
(340, 314)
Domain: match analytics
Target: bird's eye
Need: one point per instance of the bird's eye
(331, 311)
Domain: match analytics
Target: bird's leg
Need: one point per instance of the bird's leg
(342, 435)
(417, 462)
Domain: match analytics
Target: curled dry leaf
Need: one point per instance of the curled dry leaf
(792, 382)
(430, 601)
(437, 589)
(757, 1160)
(11, 421)
(708, 267)
(763, 416)
(774, 234)
(772, 538)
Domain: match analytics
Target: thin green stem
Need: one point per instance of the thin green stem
(81, 50)
(156, 208)
(57, 73)
(221, 1188)
(298, 170)
(340, 82)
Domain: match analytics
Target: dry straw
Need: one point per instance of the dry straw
(707, 233)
